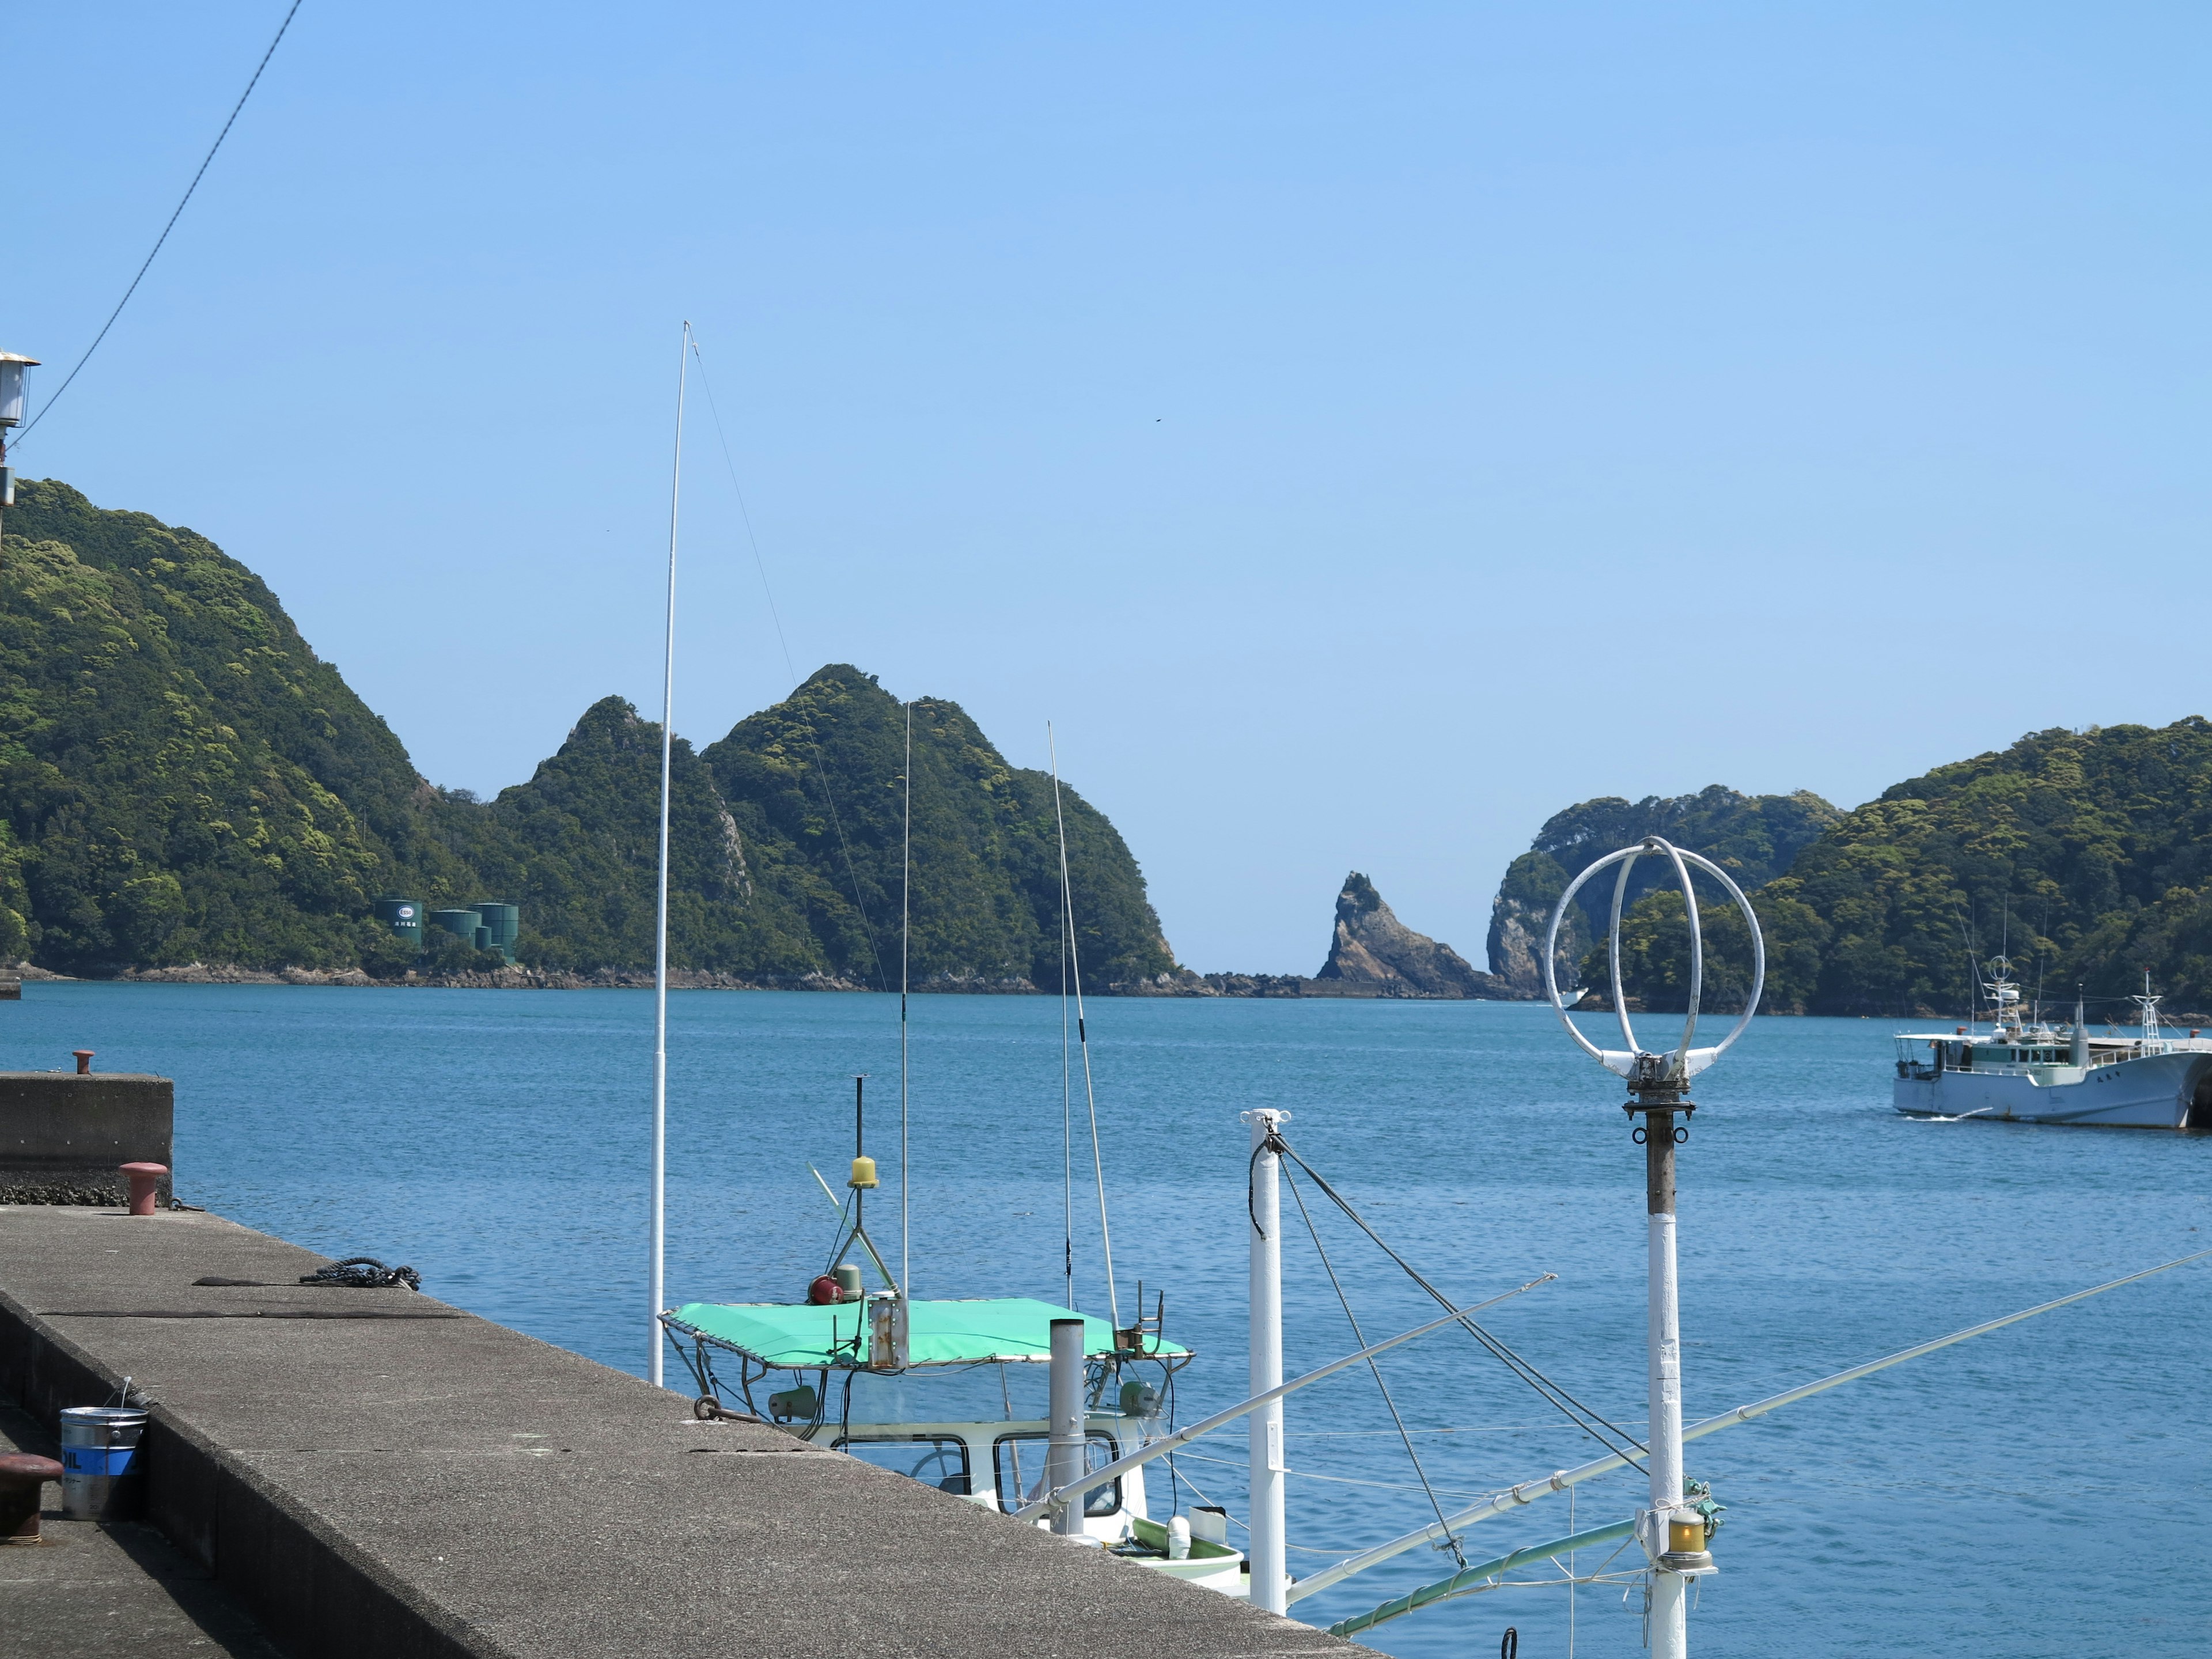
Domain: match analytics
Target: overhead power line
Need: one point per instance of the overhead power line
(167, 228)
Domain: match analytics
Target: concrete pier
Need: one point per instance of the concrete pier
(374, 1473)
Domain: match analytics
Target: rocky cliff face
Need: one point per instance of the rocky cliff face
(1375, 954)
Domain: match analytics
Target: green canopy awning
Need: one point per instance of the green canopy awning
(803, 1337)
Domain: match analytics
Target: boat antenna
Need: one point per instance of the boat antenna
(1082, 1034)
(1066, 1086)
(906, 890)
(659, 1206)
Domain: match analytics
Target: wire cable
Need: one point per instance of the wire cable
(821, 765)
(166, 229)
(1450, 1539)
(1623, 1444)
(1082, 1034)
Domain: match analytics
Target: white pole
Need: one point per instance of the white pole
(660, 907)
(906, 912)
(1663, 1345)
(1270, 1575)
(1064, 1447)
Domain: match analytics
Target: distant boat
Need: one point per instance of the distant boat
(2025, 1071)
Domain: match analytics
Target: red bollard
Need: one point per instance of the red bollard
(84, 1061)
(145, 1184)
(21, 1474)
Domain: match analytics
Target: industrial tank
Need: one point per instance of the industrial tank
(502, 924)
(462, 923)
(403, 916)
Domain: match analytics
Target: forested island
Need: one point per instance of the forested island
(2085, 856)
(183, 782)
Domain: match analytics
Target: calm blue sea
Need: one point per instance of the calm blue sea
(2040, 1491)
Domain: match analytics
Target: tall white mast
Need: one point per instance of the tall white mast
(660, 904)
(1082, 1042)
(905, 894)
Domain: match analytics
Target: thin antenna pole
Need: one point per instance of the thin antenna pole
(1081, 1034)
(660, 1227)
(905, 894)
(1067, 1084)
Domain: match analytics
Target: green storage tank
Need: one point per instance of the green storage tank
(502, 925)
(461, 923)
(403, 916)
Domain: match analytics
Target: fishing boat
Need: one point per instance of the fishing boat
(2025, 1070)
(1000, 1463)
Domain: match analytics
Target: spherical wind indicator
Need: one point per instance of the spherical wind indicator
(1674, 1530)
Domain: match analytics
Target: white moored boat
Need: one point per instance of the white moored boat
(2025, 1070)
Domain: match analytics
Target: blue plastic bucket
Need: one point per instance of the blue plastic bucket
(103, 1473)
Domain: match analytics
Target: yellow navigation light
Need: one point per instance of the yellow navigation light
(864, 1172)
(1686, 1533)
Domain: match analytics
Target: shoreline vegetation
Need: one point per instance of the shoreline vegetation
(189, 794)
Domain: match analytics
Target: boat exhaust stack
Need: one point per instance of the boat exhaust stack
(1064, 1448)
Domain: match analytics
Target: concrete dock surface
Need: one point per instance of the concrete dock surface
(118, 1592)
(375, 1473)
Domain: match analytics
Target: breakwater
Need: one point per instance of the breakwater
(375, 1473)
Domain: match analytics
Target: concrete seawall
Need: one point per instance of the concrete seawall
(61, 1135)
(374, 1473)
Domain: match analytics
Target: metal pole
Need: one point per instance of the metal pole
(1270, 1576)
(906, 912)
(660, 907)
(1663, 1355)
(1063, 1462)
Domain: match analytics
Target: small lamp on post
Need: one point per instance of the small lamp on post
(1674, 1529)
(12, 375)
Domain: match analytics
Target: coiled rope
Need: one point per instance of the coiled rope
(363, 1272)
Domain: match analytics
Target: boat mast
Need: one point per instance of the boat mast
(1083, 1037)
(906, 892)
(1067, 1084)
(660, 900)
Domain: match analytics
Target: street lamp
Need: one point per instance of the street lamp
(1672, 1531)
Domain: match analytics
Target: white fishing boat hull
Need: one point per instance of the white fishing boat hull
(2155, 1092)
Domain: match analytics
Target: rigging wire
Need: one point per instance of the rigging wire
(821, 765)
(1623, 1444)
(1450, 1539)
(1082, 1034)
(158, 241)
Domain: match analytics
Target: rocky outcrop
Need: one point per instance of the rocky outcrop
(1375, 954)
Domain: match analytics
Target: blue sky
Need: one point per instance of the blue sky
(1362, 430)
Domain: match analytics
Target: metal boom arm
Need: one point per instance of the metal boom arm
(1528, 1492)
(1181, 1437)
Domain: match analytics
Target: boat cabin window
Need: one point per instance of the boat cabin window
(935, 1460)
(1020, 1458)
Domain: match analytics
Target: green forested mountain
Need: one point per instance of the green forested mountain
(2086, 856)
(181, 780)
(1753, 837)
